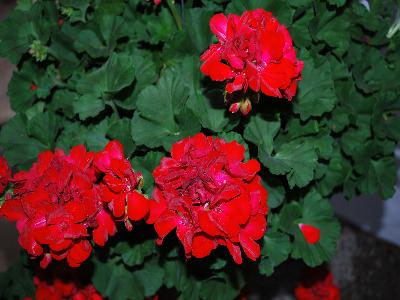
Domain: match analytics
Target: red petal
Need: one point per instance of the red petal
(310, 233)
(115, 149)
(234, 250)
(272, 44)
(216, 70)
(179, 149)
(202, 246)
(12, 210)
(255, 228)
(156, 206)
(138, 206)
(118, 206)
(165, 224)
(207, 225)
(250, 247)
(233, 151)
(218, 25)
(79, 253)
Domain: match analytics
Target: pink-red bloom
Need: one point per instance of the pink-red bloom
(253, 51)
(157, 2)
(119, 185)
(211, 197)
(5, 174)
(311, 233)
(317, 284)
(59, 204)
(58, 289)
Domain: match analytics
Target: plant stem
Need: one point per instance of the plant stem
(175, 14)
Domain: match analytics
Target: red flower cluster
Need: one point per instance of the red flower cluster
(211, 197)
(317, 285)
(64, 199)
(253, 51)
(60, 290)
(5, 174)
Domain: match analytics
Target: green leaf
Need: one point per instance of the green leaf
(299, 30)
(218, 288)
(20, 92)
(20, 149)
(161, 118)
(262, 132)
(208, 106)
(197, 26)
(276, 192)
(380, 177)
(26, 26)
(338, 3)
(336, 174)
(151, 277)
(94, 136)
(117, 73)
(17, 281)
(296, 160)
(45, 127)
(87, 106)
(133, 255)
(176, 275)
(385, 120)
(62, 101)
(316, 212)
(316, 93)
(120, 130)
(114, 281)
(275, 250)
(146, 164)
(332, 29)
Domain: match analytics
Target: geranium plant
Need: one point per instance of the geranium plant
(181, 149)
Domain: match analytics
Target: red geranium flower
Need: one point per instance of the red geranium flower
(253, 51)
(5, 174)
(317, 285)
(211, 197)
(54, 204)
(58, 289)
(63, 200)
(120, 184)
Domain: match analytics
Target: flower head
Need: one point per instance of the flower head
(61, 284)
(55, 204)
(211, 197)
(65, 200)
(253, 51)
(317, 285)
(5, 174)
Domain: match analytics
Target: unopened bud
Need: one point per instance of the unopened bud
(38, 51)
(245, 107)
(234, 108)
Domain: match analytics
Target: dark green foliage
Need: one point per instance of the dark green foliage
(123, 70)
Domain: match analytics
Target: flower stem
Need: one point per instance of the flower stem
(175, 14)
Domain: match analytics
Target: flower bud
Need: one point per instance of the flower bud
(38, 51)
(245, 107)
(234, 108)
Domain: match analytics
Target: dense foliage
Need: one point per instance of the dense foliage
(91, 71)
